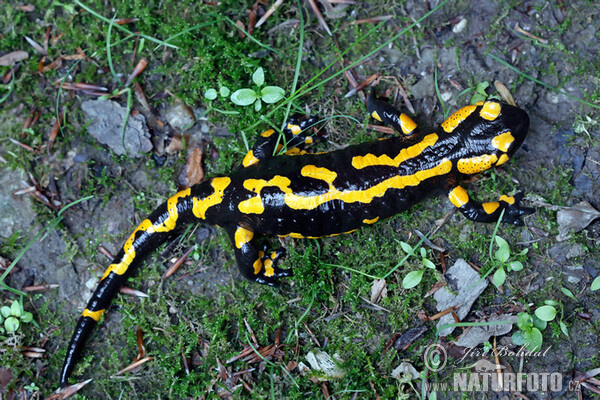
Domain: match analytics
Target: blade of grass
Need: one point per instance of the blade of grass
(122, 28)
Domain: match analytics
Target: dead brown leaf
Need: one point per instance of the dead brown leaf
(10, 59)
(192, 172)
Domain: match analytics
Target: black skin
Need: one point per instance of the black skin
(471, 138)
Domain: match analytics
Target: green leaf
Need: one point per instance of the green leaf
(503, 251)
(533, 339)
(224, 92)
(428, 263)
(515, 266)
(423, 252)
(524, 321)
(545, 313)
(210, 94)
(499, 277)
(15, 309)
(27, 317)
(11, 324)
(271, 94)
(538, 323)
(563, 328)
(258, 77)
(551, 303)
(568, 293)
(517, 338)
(412, 279)
(406, 247)
(595, 284)
(243, 97)
(5, 311)
(257, 105)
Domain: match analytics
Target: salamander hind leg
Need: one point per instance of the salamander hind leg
(389, 115)
(259, 266)
(490, 212)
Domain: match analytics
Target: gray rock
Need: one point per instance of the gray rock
(106, 119)
(467, 285)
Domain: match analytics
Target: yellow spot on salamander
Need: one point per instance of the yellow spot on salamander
(503, 141)
(95, 315)
(415, 150)
(489, 208)
(476, 164)
(490, 110)
(458, 196)
(250, 159)
(370, 221)
(257, 266)
(455, 119)
(507, 199)
(376, 116)
(479, 103)
(273, 255)
(407, 124)
(200, 206)
(309, 140)
(294, 128)
(253, 205)
(269, 270)
(242, 236)
(503, 158)
(267, 133)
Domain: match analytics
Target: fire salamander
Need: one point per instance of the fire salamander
(304, 195)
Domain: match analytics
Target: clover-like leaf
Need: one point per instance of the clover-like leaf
(533, 339)
(27, 317)
(503, 251)
(595, 284)
(11, 324)
(271, 94)
(258, 77)
(210, 94)
(15, 309)
(257, 105)
(5, 311)
(515, 266)
(545, 313)
(224, 91)
(499, 277)
(412, 279)
(243, 97)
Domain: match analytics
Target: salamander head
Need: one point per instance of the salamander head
(490, 133)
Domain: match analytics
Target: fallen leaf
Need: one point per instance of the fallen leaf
(322, 366)
(405, 369)
(378, 290)
(10, 59)
(575, 219)
(192, 172)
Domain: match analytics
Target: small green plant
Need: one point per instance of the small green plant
(413, 278)
(245, 97)
(12, 317)
(531, 326)
(500, 261)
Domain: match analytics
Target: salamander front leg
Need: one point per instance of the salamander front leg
(389, 115)
(489, 212)
(297, 134)
(255, 265)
